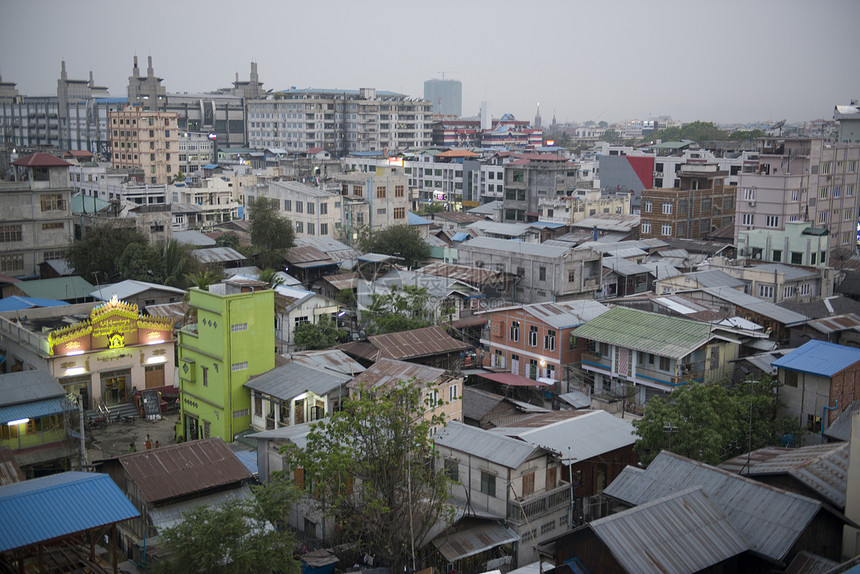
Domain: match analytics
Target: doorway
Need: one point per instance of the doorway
(115, 387)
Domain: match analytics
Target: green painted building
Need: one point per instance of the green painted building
(233, 340)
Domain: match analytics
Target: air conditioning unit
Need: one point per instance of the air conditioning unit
(752, 203)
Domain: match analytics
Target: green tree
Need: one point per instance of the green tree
(746, 135)
(432, 208)
(203, 279)
(710, 422)
(179, 177)
(401, 240)
(271, 233)
(228, 239)
(401, 309)
(177, 263)
(611, 136)
(368, 467)
(142, 262)
(697, 131)
(236, 536)
(320, 335)
(96, 255)
(271, 277)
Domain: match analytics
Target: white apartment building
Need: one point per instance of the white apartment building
(145, 139)
(107, 183)
(195, 151)
(581, 204)
(801, 179)
(213, 196)
(339, 121)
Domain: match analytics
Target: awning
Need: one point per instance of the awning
(469, 322)
(168, 516)
(513, 380)
(473, 540)
(33, 410)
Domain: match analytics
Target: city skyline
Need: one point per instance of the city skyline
(730, 62)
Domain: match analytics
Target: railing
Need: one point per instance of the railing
(540, 504)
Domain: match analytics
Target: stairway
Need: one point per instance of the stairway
(115, 412)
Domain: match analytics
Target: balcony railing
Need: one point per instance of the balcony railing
(539, 504)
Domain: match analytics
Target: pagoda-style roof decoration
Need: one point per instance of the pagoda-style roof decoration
(113, 324)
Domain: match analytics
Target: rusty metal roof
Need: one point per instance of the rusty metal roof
(823, 468)
(406, 345)
(770, 519)
(308, 256)
(387, 372)
(693, 534)
(838, 323)
(343, 280)
(217, 255)
(185, 468)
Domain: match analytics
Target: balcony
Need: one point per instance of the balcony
(538, 505)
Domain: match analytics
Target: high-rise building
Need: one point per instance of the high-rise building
(445, 95)
(339, 121)
(147, 140)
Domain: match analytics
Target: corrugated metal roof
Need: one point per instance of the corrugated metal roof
(472, 275)
(693, 534)
(33, 410)
(771, 311)
(497, 228)
(480, 443)
(474, 540)
(28, 386)
(819, 358)
(217, 255)
(823, 468)
(293, 379)
(513, 380)
(386, 372)
(16, 303)
(582, 436)
(192, 237)
(829, 325)
(791, 272)
(296, 434)
(715, 278)
(517, 247)
(413, 344)
(808, 563)
(770, 519)
(671, 337)
(52, 506)
(840, 429)
(624, 267)
(477, 403)
(185, 468)
(308, 256)
(414, 219)
(58, 288)
(662, 269)
(576, 399)
(130, 288)
(343, 280)
(329, 360)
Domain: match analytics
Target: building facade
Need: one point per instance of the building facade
(37, 216)
(445, 95)
(532, 177)
(233, 340)
(148, 140)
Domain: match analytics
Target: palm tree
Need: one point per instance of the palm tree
(203, 279)
(175, 260)
(271, 277)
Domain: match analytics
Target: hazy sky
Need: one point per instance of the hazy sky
(722, 60)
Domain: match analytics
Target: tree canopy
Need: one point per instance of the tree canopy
(368, 467)
(710, 422)
(400, 240)
(697, 131)
(401, 309)
(271, 233)
(96, 256)
(237, 536)
(320, 335)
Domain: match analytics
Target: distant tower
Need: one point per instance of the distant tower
(446, 95)
(537, 118)
(146, 91)
(485, 116)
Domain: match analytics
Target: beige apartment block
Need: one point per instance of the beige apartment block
(145, 139)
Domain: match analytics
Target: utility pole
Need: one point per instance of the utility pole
(84, 463)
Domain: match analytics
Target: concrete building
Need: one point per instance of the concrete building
(531, 177)
(699, 206)
(798, 244)
(214, 197)
(122, 184)
(148, 140)
(233, 340)
(582, 204)
(37, 218)
(339, 121)
(545, 272)
(146, 92)
(445, 95)
(803, 180)
(849, 122)
(196, 150)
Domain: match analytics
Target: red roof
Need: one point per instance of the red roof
(41, 160)
(79, 153)
(315, 150)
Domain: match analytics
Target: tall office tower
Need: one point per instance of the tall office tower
(446, 95)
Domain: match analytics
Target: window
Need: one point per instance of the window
(747, 219)
(849, 213)
(380, 192)
(666, 229)
(787, 292)
(765, 291)
(300, 227)
(837, 191)
(488, 484)
(323, 208)
(777, 255)
(240, 366)
(12, 262)
(550, 478)
(823, 193)
(646, 227)
(790, 378)
(399, 213)
(667, 208)
(205, 376)
(10, 233)
(771, 221)
(849, 190)
(825, 169)
(398, 191)
(647, 206)
(749, 194)
(533, 336)
(452, 469)
(323, 228)
(571, 276)
(549, 340)
(515, 331)
(542, 274)
(52, 202)
(239, 327)
(795, 195)
(288, 205)
(528, 483)
(822, 217)
(852, 166)
(300, 207)
(452, 393)
(804, 289)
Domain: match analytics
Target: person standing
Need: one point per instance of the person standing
(131, 447)
(148, 443)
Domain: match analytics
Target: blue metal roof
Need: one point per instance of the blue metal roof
(52, 506)
(16, 303)
(33, 410)
(414, 219)
(819, 358)
(460, 236)
(249, 459)
(547, 224)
